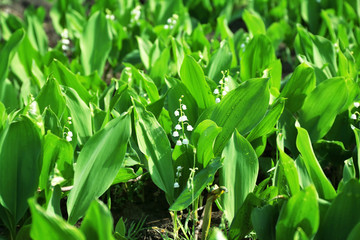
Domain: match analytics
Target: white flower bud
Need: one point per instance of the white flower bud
(216, 91)
(176, 113)
(189, 128)
(183, 107)
(68, 138)
(179, 168)
(226, 79)
(224, 93)
(183, 118)
(178, 142)
(185, 141)
(221, 82)
(65, 33)
(178, 127)
(217, 100)
(352, 126)
(65, 41)
(176, 185)
(175, 134)
(70, 133)
(353, 116)
(166, 26)
(356, 104)
(226, 88)
(169, 20)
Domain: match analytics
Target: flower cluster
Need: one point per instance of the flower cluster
(33, 107)
(65, 41)
(179, 131)
(355, 115)
(178, 175)
(109, 15)
(135, 14)
(222, 89)
(190, 182)
(171, 22)
(68, 134)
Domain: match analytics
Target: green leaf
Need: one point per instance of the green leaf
(300, 234)
(321, 107)
(324, 56)
(3, 116)
(241, 109)
(124, 175)
(216, 234)
(264, 221)
(310, 13)
(220, 61)
(349, 170)
(120, 227)
(286, 175)
(300, 211)
(268, 122)
(145, 47)
(203, 138)
(35, 30)
(238, 174)
(49, 226)
(65, 77)
(343, 214)
(301, 83)
(98, 222)
(95, 44)
(55, 151)
(6, 54)
(160, 66)
(253, 61)
(146, 83)
(355, 233)
(52, 122)
(241, 225)
(178, 53)
(155, 145)
(322, 184)
(98, 164)
(51, 95)
(357, 139)
(304, 176)
(200, 181)
(53, 201)
(80, 113)
(20, 164)
(193, 77)
(254, 23)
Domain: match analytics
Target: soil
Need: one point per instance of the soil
(149, 203)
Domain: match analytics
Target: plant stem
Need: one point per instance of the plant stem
(214, 194)
(175, 224)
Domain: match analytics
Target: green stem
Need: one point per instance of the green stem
(175, 224)
(207, 217)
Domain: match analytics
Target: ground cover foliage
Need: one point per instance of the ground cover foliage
(258, 97)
